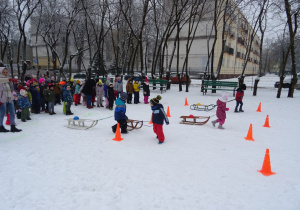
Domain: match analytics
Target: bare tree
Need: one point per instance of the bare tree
(23, 10)
(262, 28)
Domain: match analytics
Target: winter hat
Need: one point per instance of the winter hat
(123, 96)
(146, 79)
(34, 84)
(62, 83)
(72, 80)
(52, 78)
(224, 97)
(20, 87)
(243, 87)
(100, 82)
(155, 101)
(41, 80)
(23, 92)
(78, 81)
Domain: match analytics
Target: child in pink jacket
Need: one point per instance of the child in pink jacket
(221, 111)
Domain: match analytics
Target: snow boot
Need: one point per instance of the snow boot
(160, 142)
(214, 123)
(7, 119)
(236, 111)
(3, 130)
(220, 127)
(14, 129)
(114, 128)
(241, 110)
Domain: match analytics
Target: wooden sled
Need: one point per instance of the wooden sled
(134, 124)
(81, 124)
(200, 107)
(193, 120)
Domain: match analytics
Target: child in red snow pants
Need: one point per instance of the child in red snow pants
(158, 130)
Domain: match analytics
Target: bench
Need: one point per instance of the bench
(218, 85)
(157, 83)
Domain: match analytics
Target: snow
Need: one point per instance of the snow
(50, 167)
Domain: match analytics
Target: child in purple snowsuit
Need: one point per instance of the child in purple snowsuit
(221, 111)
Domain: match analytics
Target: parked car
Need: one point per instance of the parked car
(79, 76)
(133, 76)
(174, 78)
(287, 82)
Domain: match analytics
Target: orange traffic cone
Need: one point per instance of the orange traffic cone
(249, 135)
(259, 108)
(151, 120)
(266, 168)
(267, 122)
(7, 119)
(118, 134)
(168, 112)
(186, 103)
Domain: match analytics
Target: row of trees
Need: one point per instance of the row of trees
(135, 32)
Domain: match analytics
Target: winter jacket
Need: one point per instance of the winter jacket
(105, 90)
(146, 89)
(77, 88)
(6, 88)
(49, 95)
(42, 88)
(239, 94)
(129, 88)
(111, 93)
(68, 96)
(29, 96)
(57, 89)
(36, 99)
(221, 109)
(159, 115)
(120, 110)
(23, 102)
(119, 86)
(99, 90)
(136, 87)
(89, 87)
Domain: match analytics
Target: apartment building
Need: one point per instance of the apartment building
(237, 35)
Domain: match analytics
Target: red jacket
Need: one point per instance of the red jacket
(239, 95)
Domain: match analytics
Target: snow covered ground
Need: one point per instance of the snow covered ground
(50, 167)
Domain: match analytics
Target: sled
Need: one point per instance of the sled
(81, 124)
(200, 107)
(134, 124)
(194, 120)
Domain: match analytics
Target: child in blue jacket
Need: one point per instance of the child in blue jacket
(158, 118)
(120, 113)
(68, 98)
(24, 105)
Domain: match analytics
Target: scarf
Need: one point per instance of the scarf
(4, 81)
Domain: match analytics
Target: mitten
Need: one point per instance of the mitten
(227, 109)
(167, 123)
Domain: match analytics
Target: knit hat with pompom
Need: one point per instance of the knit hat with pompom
(156, 100)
